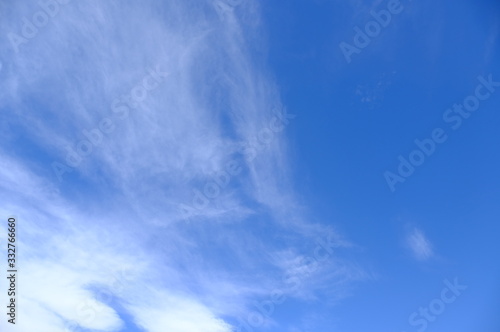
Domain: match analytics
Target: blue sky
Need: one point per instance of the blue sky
(236, 165)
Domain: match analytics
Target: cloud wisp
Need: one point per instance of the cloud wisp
(106, 246)
(420, 246)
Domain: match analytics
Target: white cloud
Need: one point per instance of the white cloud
(419, 245)
(164, 312)
(114, 225)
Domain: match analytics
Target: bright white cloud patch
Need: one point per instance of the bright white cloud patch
(165, 312)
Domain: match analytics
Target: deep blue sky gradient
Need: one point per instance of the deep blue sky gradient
(427, 59)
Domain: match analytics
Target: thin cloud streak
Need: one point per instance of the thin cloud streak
(420, 246)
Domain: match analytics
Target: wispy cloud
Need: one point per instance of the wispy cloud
(111, 240)
(420, 246)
